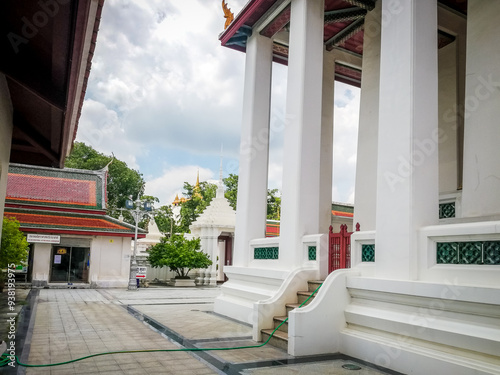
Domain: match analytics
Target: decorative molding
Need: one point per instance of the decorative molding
(346, 33)
(344, 15)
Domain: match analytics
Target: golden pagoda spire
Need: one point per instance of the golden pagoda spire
(196, 189)
(176, 200)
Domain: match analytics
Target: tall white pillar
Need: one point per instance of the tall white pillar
(301, 151)
(254, 150)
(481, 171)
(326, 155)
(407, 165)
(366, 163)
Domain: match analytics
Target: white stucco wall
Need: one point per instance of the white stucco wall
(5, 139)
(41, 263)
(448, 122)
(481, 182)
(110, 262)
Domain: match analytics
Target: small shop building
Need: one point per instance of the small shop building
(73, 243)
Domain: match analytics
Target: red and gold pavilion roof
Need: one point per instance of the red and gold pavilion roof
(71, 201)
(343, 28)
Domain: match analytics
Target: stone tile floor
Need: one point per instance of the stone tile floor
(73, 323)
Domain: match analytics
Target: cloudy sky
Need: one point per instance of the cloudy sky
(164, 97)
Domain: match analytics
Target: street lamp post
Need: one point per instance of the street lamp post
(139, 210)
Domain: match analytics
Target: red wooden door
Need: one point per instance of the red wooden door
(339, 252)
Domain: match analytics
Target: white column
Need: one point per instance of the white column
(407, 165)
(366, 163)
(5, 140)
(212, 250)
(254, 151)
(301, 150)
(326, 156)
(481, 172)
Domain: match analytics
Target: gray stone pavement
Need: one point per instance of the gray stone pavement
(73, 323)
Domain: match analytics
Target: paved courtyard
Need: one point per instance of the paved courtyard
(67, 324)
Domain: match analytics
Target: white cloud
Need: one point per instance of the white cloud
(345, 142)
(162, 84)
(170, 183)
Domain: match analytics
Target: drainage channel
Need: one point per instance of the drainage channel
(237, 368)
(24, 333)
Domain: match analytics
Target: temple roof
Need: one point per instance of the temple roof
(71, 201)
(343, 29)
(68, 188)
(218, 214)
(47, 49)
(70, 223)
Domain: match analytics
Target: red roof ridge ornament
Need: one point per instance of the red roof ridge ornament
(228, 15)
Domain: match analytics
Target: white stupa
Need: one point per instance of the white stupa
(215, 227)
(151, 239)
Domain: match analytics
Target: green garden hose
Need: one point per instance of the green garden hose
(5, 359)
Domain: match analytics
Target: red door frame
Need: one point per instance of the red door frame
(228, 251)
(339, 248)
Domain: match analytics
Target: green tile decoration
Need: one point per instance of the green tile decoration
(446, 210)
(470, 253)
(491, 252)
(311, 250)
(265, 253)
(447, 252)
(473, 252)
(368, 253)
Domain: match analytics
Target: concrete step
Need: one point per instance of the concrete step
(278, 320)
(291, 306)
(279, 339)
(313, 284)
(303, 296)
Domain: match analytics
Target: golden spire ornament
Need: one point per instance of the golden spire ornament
(228, 15)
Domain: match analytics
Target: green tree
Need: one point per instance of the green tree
(14, 249)
(231, 193)
(165, 220)
(178, 254)
(122, 180)
(273, 200)
(273, 204)
(198, 198)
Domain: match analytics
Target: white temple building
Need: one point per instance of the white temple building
(422, 295)
(215, 227)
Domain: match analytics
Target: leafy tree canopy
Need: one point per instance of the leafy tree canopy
(197, 200)
(273, 204)
(231, 193)
(273, 200)
(178, 254)
(165, 220)
(14, 247)
(122, 180)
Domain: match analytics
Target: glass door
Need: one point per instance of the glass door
(70, 264)
(79, 265)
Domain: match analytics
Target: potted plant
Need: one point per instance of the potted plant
(13, 249)
(181, 256)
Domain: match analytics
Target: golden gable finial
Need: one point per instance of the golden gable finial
(228, 15)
